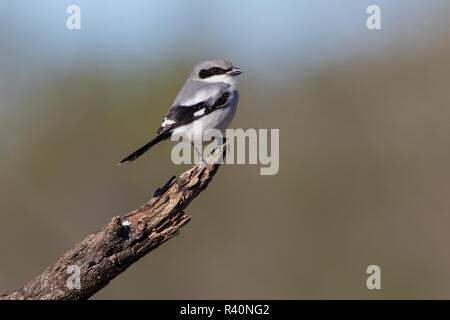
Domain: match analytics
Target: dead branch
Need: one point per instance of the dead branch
(109, 251)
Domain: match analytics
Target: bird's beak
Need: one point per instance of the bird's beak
(235, 71)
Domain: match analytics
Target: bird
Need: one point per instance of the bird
(208, 98)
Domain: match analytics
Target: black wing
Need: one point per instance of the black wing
(181, 115)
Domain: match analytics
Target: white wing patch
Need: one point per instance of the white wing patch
(199, 113)
(167, 122)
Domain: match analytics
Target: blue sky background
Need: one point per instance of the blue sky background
(271, 40)
(252, 33)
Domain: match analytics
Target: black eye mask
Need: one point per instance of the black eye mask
(206, 73)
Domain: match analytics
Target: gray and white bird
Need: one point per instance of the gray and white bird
(208, 99)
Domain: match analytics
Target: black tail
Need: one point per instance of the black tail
(139, 152)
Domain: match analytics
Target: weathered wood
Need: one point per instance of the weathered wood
(109, 251)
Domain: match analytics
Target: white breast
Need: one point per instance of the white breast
(219, 119)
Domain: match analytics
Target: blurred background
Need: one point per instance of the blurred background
(364, 153)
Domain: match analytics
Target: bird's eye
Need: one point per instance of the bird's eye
(205, 73)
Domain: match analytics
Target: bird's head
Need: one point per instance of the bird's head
(217, 70)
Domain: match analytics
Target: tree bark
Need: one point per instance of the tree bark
(104, 254)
